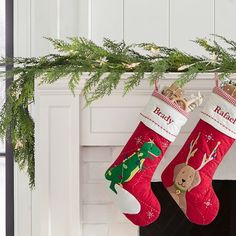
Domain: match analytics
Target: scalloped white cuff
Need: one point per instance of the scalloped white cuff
(162, 118)
(221, 114)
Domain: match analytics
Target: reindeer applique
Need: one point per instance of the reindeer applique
(186, 177)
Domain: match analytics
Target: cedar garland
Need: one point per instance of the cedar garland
(79, 55)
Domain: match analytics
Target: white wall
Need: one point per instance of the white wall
(167, 22)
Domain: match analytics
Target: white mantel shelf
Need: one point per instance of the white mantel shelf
(63, 126)
(202, 82)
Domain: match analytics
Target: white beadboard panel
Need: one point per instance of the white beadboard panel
(106, 20)
(22, 28)
(190, 19)
(54, 18)
(44, 23)
(56, 200)
(146, 21)
(84, 18)
(67, 18)
(224, 18)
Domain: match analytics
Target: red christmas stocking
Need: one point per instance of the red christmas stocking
(188, 178)
(130, 175)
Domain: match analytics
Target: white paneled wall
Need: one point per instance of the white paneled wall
(54, 18)
(107, 17)
(167, 22)
(190, 19)
(146, 21)
(224, 18)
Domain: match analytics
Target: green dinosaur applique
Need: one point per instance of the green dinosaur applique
(125, 171)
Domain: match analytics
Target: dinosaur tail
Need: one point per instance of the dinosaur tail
(108, 175)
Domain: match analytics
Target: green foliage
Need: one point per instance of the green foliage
(105, 65)
(16, 118)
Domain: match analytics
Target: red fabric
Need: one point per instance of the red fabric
(139, 186)
(202, 204)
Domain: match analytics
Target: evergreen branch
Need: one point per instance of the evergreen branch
(133, 81)
(105, 66)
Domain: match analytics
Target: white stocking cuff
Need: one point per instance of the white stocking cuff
(220, 112)
(163, 116)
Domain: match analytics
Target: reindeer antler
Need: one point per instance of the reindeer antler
(191, 151)
(205, 160)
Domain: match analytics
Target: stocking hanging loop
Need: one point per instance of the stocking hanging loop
(216, 77)
(156, 84)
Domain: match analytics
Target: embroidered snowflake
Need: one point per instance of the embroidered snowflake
(207, 203)
(139, 140)
(209, 137)
(150, 214)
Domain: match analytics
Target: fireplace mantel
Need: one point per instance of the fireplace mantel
(63, 126)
